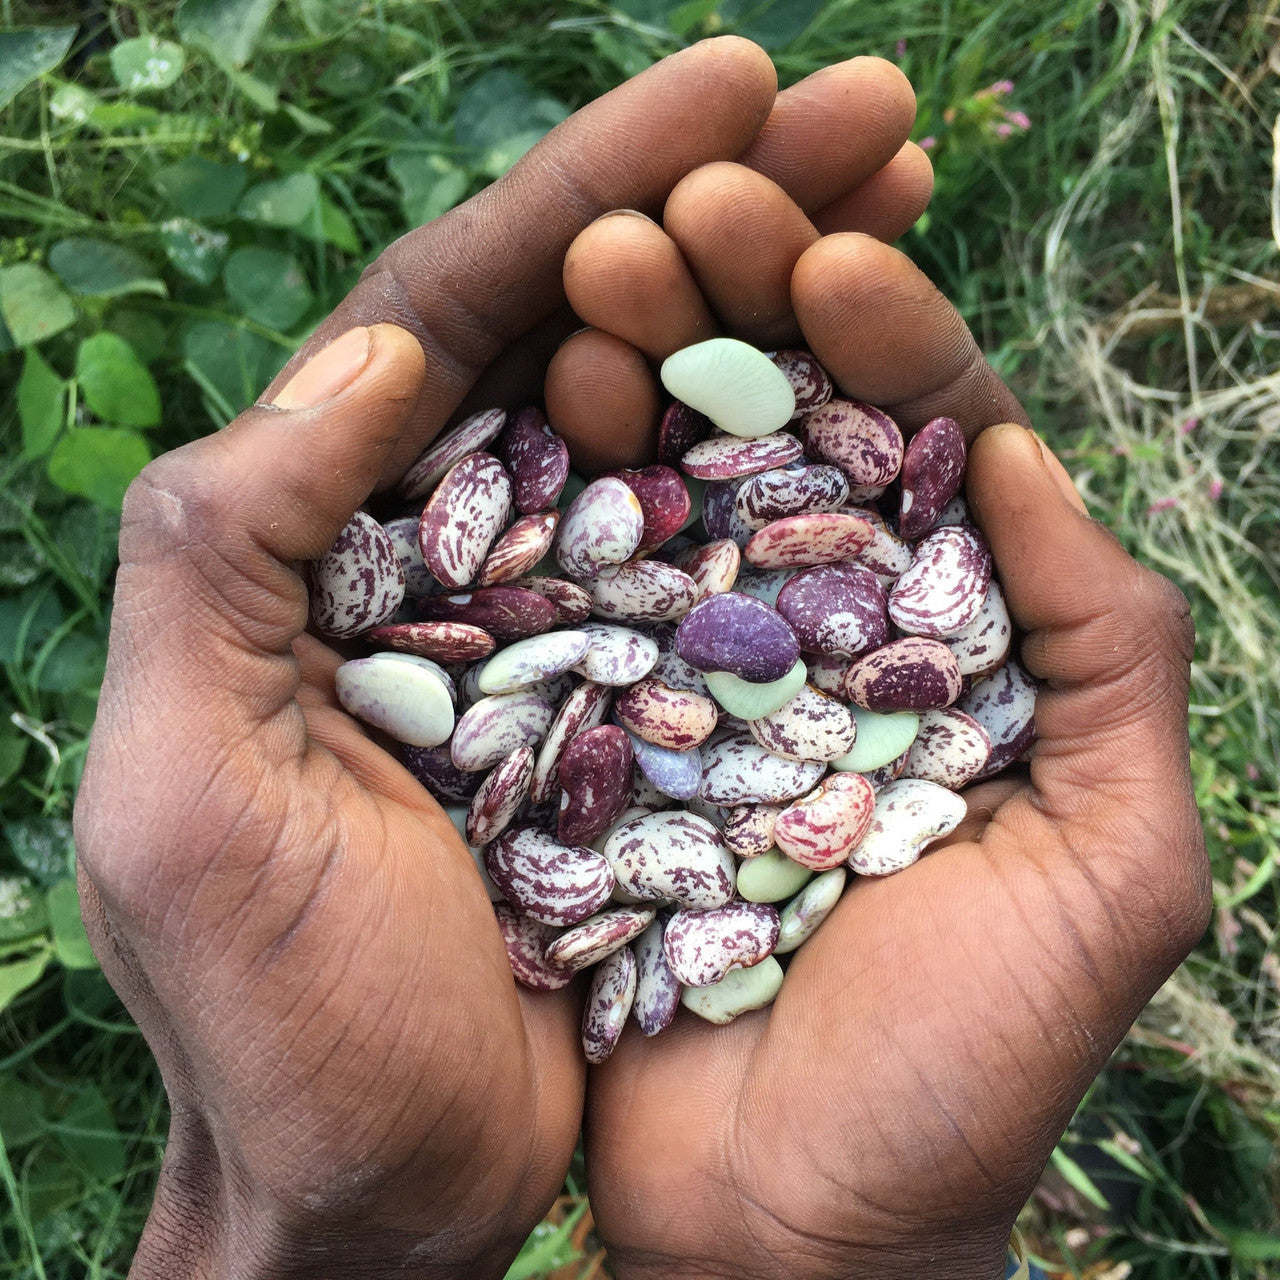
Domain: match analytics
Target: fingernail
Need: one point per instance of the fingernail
(586, 328)
(331, 370)
(626, 213)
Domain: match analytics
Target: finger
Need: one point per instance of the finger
(887, 204)
(603, 399)
(1113, 642)
(514, 379)
(742, 236)
(469, 283)
(626, 276)
(833, 130)
(889, 337)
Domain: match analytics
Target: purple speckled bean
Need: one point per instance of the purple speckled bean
(495, 727)
(520, 548)
(537, 458)
(950, 749)
(809, 908)
(984, 644)
(571, 603)
(617, 656)
(445, 452)
(827, 674)
(664, 500)
(434, 768)
(358, 582)
(910, 674)
(599, 936)
(796, 542)
(585, 708)
(748, 829)
(532, 660)
(731, 458)
(677, 774)
(720, 512)
(447, 642)
(734, 633)
(955, 512)
(823, 828)
(763, 584)
(526, 940)
(737, 770)
(794, 491)
(673, 718)
(887, 773)
(418, 579)
(609, 1000)
(863, 442)
(602, 527)
(657, 988)
(836, 609)
(946, 585)
(465, 514)
(595, 772)
(713, 567)
(932, 470)
(812, 726)
(910, 815)
(886, 555)
(506, 613)
(702, 946)
(1004, 704)
(500, 795)
(550, 881)
(808, 380)
(642, 591)
(644, 795)
(670, 667)
(671, 855)
(681, 428)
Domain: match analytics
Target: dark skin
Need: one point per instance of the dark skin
(358, 1087)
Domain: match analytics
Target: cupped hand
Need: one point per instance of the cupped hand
(357, 1086)
(890, 1113)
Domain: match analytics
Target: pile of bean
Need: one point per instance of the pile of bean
(670, 701)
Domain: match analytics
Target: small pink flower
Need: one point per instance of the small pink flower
(1019, 119)
(1215, 489)
(1189, 426)
(928, 144)
(1004, 129)
(997, 90)
(902, 48)
(1162, 504)
(1251, 771)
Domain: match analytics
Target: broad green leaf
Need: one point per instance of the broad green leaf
(88, 1133)
(20, 565)
(42, 846)
(144, 331)
(18, 975)
(21, 1112)
(500, 117)
(1251, 1246)
(41, 396)
(771, 23)
(34, 305)
(73, 103)
(348, 75)
(198, 187)
(282, 202)
(52, 1185)
(325, 17)
(98, 463)
(13, 750)
(429, 185)
(102, 269)
(258, 93)
(146, 63)
(123, 117)
(686, 18)
(230, 365)
(231, 27)
(26, 622)
(22, 907)
(27, 53)
(268, 286)
(193, 249)
(70, 941)
(75, 665)
(116, 385)
(316, 126)
(337, 228)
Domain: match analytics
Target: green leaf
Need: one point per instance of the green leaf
(41, 395)
(42, 846)
(348, 75)
(1078, 1179)
(21, 1112)
(22, 908)
(198, 187)
(257, 93)
(548, 1248)
(229, 364)
(232, 27)
(27, 53)
(70, 941)
(33, 304)
(316, 126)
(429, 185)
(26, 622)
(325, 18)
(98, 463)
(13, 750)
(1251, 1246)
(88, 1133)
(76, 664)
(686, 18)
(102, 269)
(18, 975)
(73, 103)
(268, 286)
(116, 385)
(147, 63)
(773, 23)
(337, 228)
(500, 117)
(193, 249)
(283, 202)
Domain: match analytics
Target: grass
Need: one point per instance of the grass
(1117, 260)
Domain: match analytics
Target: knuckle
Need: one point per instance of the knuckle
(1164, 613)
(170, 504)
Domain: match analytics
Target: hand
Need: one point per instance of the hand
(891, 1112)
(357, 1086)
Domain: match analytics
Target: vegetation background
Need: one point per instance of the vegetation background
(183, 194)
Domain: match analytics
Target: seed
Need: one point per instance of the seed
(552, 882)
(771, 877)
(399, 694)
(736, 993)
(358, 582)
(675, 856)
(469, 436)
(602, 526)
(738, 387)
(734, 633)
(932, 469)
(803, 914)
(657, 988)
(702, 946)
(465, 514)
(609, 1000)
(909, 816)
